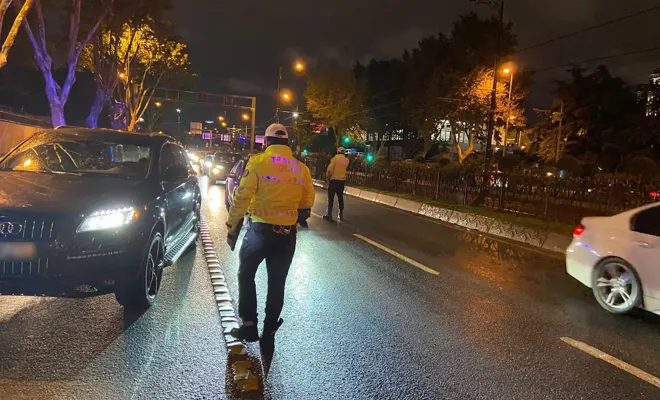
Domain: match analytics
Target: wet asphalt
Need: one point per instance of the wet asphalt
(359, 324)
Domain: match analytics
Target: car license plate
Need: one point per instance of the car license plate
(17, 251)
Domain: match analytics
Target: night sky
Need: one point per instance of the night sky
(237, 46)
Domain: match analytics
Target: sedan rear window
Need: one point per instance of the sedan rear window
(75, 154)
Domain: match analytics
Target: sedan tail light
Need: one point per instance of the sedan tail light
(579, 230)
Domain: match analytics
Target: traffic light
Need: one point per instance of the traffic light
(370, 157)
(347, 140)
(304, 152)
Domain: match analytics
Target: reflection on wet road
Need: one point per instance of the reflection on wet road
(89, 348)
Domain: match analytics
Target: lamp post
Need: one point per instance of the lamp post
(178, 113)
(509, 117)
(493, 99)
(298, 67)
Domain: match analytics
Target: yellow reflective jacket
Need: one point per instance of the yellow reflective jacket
(273, 188)
(337, 168)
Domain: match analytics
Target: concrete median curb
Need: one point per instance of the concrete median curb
(507, 230)
(243, 370)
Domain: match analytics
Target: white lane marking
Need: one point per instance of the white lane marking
(397, 255)
(594, 352)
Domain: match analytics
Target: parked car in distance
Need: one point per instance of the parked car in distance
(87, 212)
(617, 257)
(222, 163)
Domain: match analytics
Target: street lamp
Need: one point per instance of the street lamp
(296, 114)
(158, 104)
(508, 71)
(224, 124)
(178, 114)
(286, 96)
(245, 117)
(299, 66)
(493, 98)
(221, 118)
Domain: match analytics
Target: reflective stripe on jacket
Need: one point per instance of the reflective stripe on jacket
(337, 168)
(274, 186)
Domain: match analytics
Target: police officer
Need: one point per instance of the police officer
(273, 188)
(337, 177)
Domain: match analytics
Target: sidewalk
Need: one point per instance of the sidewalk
(532, 236)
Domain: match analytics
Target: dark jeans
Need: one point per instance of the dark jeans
(262, 243)
(335, 188)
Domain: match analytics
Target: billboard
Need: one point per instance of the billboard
(195, 128)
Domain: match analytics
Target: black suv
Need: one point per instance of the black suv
(95, 211)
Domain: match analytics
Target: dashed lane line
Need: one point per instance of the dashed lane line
(631, 369)
(397, 255)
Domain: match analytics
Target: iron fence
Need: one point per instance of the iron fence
(552, 198)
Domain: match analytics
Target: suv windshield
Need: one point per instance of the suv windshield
(57, 153)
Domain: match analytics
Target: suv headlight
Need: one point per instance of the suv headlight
(109, 219)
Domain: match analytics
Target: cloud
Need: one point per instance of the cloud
(243, 86)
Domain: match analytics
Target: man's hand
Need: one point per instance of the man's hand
(232, 237)
(232, 234)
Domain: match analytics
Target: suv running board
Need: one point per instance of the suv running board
(176, 251)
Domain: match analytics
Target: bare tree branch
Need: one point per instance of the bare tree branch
(13, 32)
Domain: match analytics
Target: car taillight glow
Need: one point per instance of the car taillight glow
(579, 230)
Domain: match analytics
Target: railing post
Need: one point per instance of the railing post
(502, 188)
(415, 183)
(437, 187)
(547, 198)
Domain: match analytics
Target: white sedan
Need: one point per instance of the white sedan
(618, 257)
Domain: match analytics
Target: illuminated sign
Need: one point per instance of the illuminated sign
(206, 135)
(208, 122)
(195, 128)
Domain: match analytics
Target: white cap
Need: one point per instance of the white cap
(340, 150)
(278, 131)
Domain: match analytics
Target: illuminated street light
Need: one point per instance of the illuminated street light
(296, 114)
(299, 66)
(158, 104)
(178, 110)
(245, 117)
(221, 118)
(507, 71)
(122, 75)
(224, 124)
(286, 96)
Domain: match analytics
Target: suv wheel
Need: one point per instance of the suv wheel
(141, 294)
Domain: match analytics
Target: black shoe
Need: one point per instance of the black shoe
(246, 333)
(271, 329)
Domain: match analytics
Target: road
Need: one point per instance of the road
(90, 349)
(363, 324)
(474, 318)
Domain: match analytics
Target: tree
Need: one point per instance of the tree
(443, 78)
(304, 134)
(152, 57)
(95, 12)
(602, 121)
(335, 98)
(116, 44)
(13, 32)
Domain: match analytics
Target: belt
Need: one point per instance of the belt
(279, 229)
